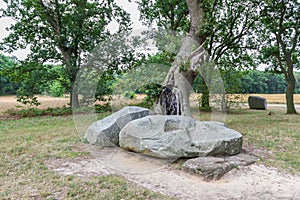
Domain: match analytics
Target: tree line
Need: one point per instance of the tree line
(248, 82)
(253, 82)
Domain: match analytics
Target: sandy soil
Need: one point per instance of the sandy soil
(251, 182)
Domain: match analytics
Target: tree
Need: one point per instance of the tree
(170, 14)
(6, 87)
(174, 98)
(280, 42)
(222, 27)
(32, 78)
(60, 31)
(260, 82)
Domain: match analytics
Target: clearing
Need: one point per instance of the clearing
(43, 158)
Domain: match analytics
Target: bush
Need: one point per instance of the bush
(58, 111)
(152, 91)
(28, 100)
(103, 108)
(130, 95)
(35, 112)
(56, 89)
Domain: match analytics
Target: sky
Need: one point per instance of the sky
(130, 7)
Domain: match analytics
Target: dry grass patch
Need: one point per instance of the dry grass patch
(273, 98)
(10, 102)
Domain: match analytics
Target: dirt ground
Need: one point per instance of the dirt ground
(251, 182)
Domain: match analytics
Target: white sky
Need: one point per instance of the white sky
(130, 7)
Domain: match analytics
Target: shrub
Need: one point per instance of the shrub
(56, 89)
(130, 95)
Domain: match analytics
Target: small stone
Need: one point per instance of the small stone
(213, 168)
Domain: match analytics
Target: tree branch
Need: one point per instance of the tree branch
(294, 40)
(177, 21)
(49, 18)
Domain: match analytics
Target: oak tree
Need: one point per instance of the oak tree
(222, 28)
(280, 42)
(60, 31)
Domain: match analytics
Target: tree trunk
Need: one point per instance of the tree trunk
(72, 72)
(290, 96)
(290, 78)
(205, 95)
(74, 100)
(174, 98)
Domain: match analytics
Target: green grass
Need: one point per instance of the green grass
(277, 136)
(277, 133)
(26, 144)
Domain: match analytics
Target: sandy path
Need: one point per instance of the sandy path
(251, 182)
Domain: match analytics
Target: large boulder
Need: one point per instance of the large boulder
(105, 132)
(256, 102)
(169, 136)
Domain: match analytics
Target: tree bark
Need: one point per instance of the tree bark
(290, 98)
(74, 100)
(205, 95)
(174, 98)
(290, 78)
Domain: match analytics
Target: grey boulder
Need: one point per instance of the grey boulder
(105, 132)
(256, 102)
(169, 136)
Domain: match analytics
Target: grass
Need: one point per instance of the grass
(26, 144)
(277, 134)
(10, 102)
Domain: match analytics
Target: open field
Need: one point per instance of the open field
(28, 147)
(10, 102)
(273, 98)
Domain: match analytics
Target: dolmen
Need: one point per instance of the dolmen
(212, 149)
